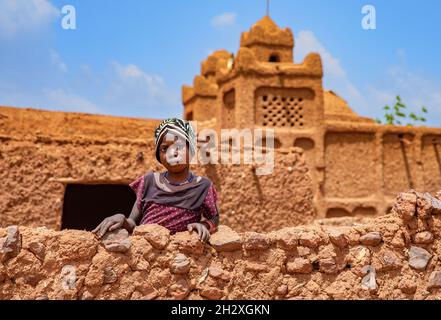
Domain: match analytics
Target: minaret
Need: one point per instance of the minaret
(268, 42)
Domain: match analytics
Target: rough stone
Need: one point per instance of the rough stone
(282, 290)
(218, 273)
(212, 293)
(255, 241)
(434, 280)
(358, 258)
(405, 205)
(408, 286)
(140, 264)
(180, 264)
(110, 275)
(225, 239)
(424, 237)
(303, 251)
(390, 260)
(328, 265)
(117, 241)
(87, 295)
(150, 296)
(436, 206)
(299, 265)
(309, 239)
(371, 239)
(10, 246)
(425, 205)
(156, 235)
(369, 281)
(38, 249)
(418, 258)
(398, 240)
(189, 243)
(338, 237)
(335, 292)
(179, 290)
(287, 238)
(121, 246)
(256, 267)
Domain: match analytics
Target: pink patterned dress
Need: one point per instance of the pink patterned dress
(171, 217)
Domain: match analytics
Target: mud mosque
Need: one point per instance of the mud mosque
(357, 166)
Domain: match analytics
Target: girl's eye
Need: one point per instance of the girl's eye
(164, 149)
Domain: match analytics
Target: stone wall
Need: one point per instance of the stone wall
(396, 256)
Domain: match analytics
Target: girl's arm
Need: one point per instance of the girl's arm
(119, 221)
(206, 227)
(213, 223)
(133, 220)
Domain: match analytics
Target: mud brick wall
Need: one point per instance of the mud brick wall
(37, 165)
(396, 256)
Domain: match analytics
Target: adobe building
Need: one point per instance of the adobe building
(357, 166)
(70, 170)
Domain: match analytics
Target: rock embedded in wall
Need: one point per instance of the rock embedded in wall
(156, 235)
(418, 258)
(371, 239)
(10, 245)
(225, 239)
(117, 241)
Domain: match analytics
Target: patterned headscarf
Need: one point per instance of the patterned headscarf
(176, 126)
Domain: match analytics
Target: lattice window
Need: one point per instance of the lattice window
(281, 110)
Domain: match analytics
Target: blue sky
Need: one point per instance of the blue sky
(130, 58)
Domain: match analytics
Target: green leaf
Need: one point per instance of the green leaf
(386, 108)
(424, 109)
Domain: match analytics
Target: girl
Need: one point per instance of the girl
(176, 199)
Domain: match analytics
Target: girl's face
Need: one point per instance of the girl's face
(174, 153)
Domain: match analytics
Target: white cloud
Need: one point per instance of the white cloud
(119, 90)
(415, 90)
(224, 20)
(138, 88)
(62, 100)
(22, 16)
(49, 99)
(335, 76)
(307, 42)
(57, 62)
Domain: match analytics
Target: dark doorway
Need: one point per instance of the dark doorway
(85, 206)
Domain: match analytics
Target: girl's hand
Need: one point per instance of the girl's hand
(202, 230)
(109, 224)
